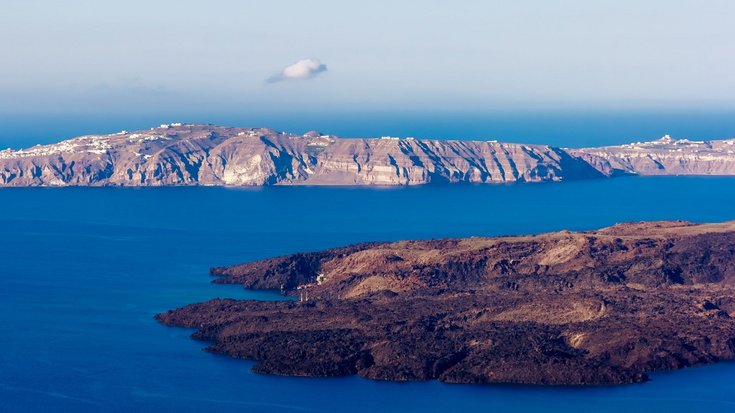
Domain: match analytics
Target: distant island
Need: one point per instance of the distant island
(184, 155)
(564, 308)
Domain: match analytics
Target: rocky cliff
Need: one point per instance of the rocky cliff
(600, 307)
(178, 154)
(666, 156)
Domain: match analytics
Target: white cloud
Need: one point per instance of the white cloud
(303, 69)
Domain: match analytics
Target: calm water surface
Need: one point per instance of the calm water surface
(83, 271)
(560, 128)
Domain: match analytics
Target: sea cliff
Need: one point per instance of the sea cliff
(181, 155)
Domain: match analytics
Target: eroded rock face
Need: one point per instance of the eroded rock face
(666, 156)
(212, 155)
(602, 307)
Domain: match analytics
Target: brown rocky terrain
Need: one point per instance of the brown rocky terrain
(179, 154)
(564, 308)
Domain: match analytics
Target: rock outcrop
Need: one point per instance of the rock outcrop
(211, 155)
(586, 308)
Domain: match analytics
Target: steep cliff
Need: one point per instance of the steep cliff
(212, 155)
(666, 156)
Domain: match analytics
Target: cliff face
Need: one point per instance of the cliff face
(212, 155)
(665, 156)
(601, 307)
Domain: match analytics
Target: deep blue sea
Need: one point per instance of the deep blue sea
(83, 271)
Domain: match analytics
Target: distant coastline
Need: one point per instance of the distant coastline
(193, 154)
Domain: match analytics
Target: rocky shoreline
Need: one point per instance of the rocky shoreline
(566, 308)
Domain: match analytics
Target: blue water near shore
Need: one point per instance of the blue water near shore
(83, 271)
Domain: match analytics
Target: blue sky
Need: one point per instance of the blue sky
(136, 56)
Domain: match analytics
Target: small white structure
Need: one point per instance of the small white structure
(304, 292)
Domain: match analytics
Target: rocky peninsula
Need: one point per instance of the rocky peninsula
(565, 308)
(185, 155)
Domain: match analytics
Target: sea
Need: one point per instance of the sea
(84, 270)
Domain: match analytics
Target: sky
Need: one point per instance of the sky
(225, 55)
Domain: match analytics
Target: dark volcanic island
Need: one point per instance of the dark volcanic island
(564, 308)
